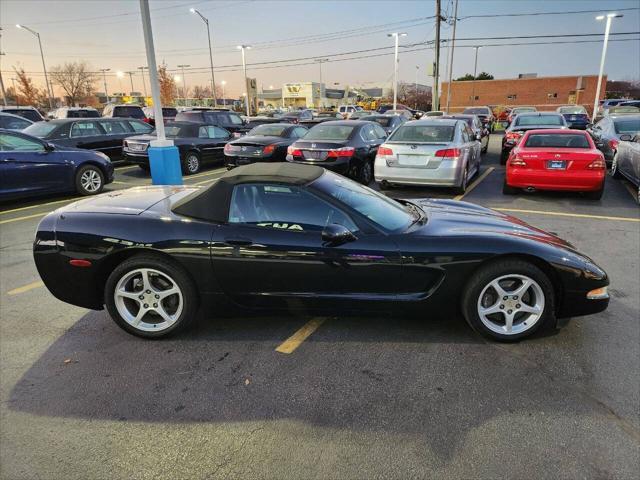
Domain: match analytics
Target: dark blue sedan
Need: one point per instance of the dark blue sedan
(30, 167)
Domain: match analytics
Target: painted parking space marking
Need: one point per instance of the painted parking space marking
(203, 174)
(122, 169)
(295, 340)
(475, 184)
(27, 217)
(38, 205)
(26, 288)
(562, 214)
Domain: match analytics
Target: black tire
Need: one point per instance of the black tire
(187, 288)
(462, 188)
(365, 172)
(507, 190)
(145, 168)
(89, 180)
(495, 270)
(504, 155)
(596, 195)
(485, 149)
(192, 163)
(615, 171)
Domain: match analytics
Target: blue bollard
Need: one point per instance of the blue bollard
(165, 165)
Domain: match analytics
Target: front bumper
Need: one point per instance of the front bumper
(578, 181)
(447, 174)
(137, 158)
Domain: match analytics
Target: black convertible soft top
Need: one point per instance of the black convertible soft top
(212, 203)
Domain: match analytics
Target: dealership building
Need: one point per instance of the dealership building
(544, 93)
(316, 95)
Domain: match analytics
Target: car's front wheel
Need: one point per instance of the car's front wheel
(508, 300)
(150, 297)
(89, 180)
(615, 171)
(191, 164)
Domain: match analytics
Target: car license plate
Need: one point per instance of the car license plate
(415, 160)
(312, 155)
(556, 164)
(136, 147)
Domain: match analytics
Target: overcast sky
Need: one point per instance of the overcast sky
(108, 34)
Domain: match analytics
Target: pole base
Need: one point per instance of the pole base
(165, 165)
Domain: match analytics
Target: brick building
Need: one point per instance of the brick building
(544, 93)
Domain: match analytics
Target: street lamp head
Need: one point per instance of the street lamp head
(223, 82)
(18, 25)
(192, 10)
(176, 78)
(120, 74)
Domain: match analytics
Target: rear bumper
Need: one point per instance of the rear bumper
(582, 181)
(233, 161)
(448, 174)
(340, 165)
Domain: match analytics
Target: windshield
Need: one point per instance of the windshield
(577, 109)
(329, 132)
(28, 114)
(629, 125)
(382, 121)
(423, 134)
(82, 114)
(40, 129)
(377, 207)
(526, 120)
(132, 111)
(468, 120)
(477, 111)
(557, 140)
(268, 130)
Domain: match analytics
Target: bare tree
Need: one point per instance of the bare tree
(201, 92)
(76, 79)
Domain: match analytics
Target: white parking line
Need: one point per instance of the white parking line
(562, 214)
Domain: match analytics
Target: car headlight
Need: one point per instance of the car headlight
(103, 156)
(593, 272)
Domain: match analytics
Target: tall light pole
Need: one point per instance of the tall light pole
(396, 36)
(475, 72)
(144, 85)
(104, 79)
(120, 76)
(453, 44)
(242, 48)
(320, 61)
(213, 78)
(224, 101)
(417, 71)
(609, 17)
(131, 79)
(44, 67)
(184, 83)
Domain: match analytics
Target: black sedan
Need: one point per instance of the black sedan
(297, 237)
(321, 117)
(528, 121)
(197, 143)
(265, 143)
(388, 122)
(102, 134)
(348, 147)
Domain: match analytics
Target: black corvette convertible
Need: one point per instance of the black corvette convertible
(278, 235)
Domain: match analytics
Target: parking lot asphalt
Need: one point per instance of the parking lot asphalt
(250, 396)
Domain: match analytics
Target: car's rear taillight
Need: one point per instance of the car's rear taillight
(517, 162)
(513, 135)
(613, 144)
(294, 151)
(384, 151)
(268, 150)
(341, 152)
(598, 164)
(448, 152)
(146, 120)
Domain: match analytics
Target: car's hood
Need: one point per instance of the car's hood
(132, 201)
(453, 218)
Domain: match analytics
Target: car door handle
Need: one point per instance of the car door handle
(239, 241)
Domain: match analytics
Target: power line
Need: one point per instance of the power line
(535, 14)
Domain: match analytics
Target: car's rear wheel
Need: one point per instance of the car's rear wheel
(191, 164)
(150, 297)
(508, 190)
(597, 194)
(365, 172)
(89, 180)
(462, 188)
(615, 171)
(503, 157)
(509, 300)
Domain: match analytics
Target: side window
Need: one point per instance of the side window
(15, 143)
(379, 131)
(464, 135)
(139, 127)
(203, 132)
(299, 132)
(113, 128)
(85, 129)
(217, 132)
(213, 118)
(283, 207)
(235, 119)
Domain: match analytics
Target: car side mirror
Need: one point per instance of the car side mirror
(626, 137)
(478, 136)
(49, 147)
(334, 235)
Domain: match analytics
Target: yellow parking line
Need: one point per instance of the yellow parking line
(295, 340)
(211, 172)
(475, 184)
(131, 184)
(26, 288)
(39, 205)
(27, 217)
(575, 215)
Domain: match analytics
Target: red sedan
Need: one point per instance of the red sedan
(556, 160)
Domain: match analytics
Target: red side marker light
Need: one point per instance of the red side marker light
(79, 263)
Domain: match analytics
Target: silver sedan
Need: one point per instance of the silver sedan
(626, 162)
(429, 152)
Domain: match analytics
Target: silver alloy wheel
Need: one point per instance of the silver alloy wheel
(193, 163)
(148, 300)
(614, 166)
(511, 304)
(90, 180)
(465, 174)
